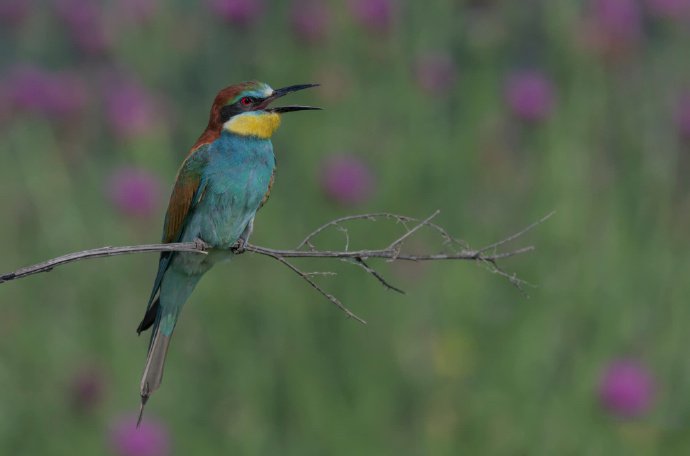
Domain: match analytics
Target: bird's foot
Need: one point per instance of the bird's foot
(200, 244)
(239, 247)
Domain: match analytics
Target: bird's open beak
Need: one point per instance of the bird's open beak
(284, 91)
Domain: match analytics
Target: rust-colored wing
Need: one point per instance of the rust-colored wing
(186, 194)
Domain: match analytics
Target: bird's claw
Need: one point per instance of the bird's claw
(239, 247)
(200, 244)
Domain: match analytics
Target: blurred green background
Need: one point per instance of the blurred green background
(495, 112)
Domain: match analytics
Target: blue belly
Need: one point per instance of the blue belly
(236, 179)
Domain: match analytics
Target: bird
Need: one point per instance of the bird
(221, 184)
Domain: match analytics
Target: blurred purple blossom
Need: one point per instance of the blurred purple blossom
(669, 9)
(150, 439)
(626, 388)
(84, 20)
(129, 108)
(14, 12)
(375, 15)
(310, 20)
(239, 12)
(55, 95)
(87, 388)
(614, 26)
(682, 115)
(435, 73)
(346, 179)
(530, 95)
(134, 192)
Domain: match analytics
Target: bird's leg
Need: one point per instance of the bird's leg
(243, 240)
(200, 244)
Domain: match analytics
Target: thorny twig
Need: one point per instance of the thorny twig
(373, 217)
(362, 264)
(488, 255)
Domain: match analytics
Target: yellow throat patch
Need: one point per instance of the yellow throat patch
(261, 125)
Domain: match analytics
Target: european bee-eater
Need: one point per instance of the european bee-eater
(226, 177)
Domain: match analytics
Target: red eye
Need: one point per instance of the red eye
(246, 101)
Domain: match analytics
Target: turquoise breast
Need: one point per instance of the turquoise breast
(235, 181)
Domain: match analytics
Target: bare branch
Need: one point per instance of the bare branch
(493, 267)
(387, 254)
(488, 255)
(398, 242)
(336, 222)
(101, 252)
(512, 237)
(373, 217)
(327, 295)
(362, 264)
(320, 273)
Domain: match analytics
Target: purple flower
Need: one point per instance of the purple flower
(134, 192)
(84, 20)
(375, 15)
(626, 388)
(87, 388)
(55, 95)
(66, 95)
(129, 108)
(619, 18)
(669, 9)
(346, 179)
(310, 20)
(529, 94)
(240, 12)
(27, 87)
(14, 12)
(150, 439)
(614, 26)
(435, 73)
(682, 115)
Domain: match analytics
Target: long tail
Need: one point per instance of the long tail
(175, 289)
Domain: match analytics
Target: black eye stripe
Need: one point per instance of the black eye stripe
(226, 112)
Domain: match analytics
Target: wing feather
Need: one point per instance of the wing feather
(188, 191)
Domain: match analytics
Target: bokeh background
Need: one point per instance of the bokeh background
(495, 112)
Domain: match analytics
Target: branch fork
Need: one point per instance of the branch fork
(458, 250)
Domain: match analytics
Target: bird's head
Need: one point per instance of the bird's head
(244, 109)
